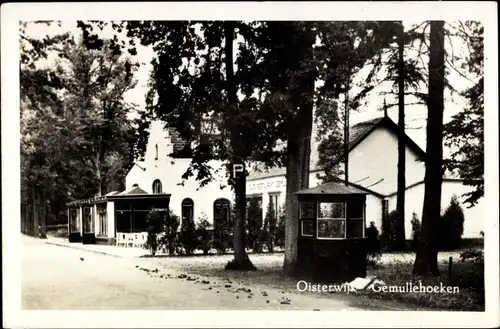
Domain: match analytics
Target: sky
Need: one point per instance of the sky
(415, 114)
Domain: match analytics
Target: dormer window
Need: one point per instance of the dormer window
(156, 149)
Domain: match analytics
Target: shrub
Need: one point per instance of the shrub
(262, 240)
(268, 237)
(389, 230)
(187, 236)
(373, 247)
(279, 233)
(170, 238)
(203, 234)
(416, 227)
(254, 224)
(154, 221)
(222, 234)
(451, 226)
(474, 254)
(60, 233)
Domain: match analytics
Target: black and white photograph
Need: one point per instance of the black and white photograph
(319, 157)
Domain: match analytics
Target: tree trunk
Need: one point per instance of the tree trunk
(346, 133)
(98, 174)
(43, 218)
(23, 217)
(426, 260)
(297, 176)
(36, 223)
(400, 238)
(241, 260)
(299, 149)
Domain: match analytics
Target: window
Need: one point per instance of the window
(74, 223)
(88, 223)
(187, 210)
(139, 221)
(307, 227)
(123, 221)
(274, 202)
(103, 223)
(307, 219)
(156, 151)
(157, 189)
(254, 211)
(355, 219)
(222, 212)
(307, 210)
(139, 215)
(331, 222)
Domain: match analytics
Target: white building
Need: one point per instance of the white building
(160, 173)
(373, 161)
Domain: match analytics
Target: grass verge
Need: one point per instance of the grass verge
(467, 276)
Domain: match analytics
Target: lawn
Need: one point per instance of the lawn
(393, 269)
(468, 276)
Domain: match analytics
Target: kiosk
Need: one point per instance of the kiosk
(331, 239)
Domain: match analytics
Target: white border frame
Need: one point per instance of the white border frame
(433, 10)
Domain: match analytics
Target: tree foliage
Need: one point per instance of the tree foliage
(254, 223)
(40, 151)
(465, 132)
(451, 226)
(270, 226)
(95, 84)
(71, 107)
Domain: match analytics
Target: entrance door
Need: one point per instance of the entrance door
(88, 236)
(222, 224)
(74, 226)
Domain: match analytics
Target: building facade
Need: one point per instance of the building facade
(161, 173)
(373, 157)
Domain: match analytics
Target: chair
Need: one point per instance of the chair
(143, 239)
(130, 240)
(137, 240)
(120, 239)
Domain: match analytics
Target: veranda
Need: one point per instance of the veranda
(115, 218)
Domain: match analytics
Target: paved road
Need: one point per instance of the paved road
(55, 277)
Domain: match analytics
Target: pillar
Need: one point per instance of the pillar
(69, 222)
(265, 203)
(110, 210)
(80, 220)
(95, 218)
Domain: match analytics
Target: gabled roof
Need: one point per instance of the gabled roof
(360, 131)
(133, 191)
(357, 133)
(332, 188)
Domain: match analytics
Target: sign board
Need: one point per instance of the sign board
(160, 209)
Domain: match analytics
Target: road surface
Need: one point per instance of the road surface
(61, 278)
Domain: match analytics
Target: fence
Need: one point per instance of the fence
(60, 230)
